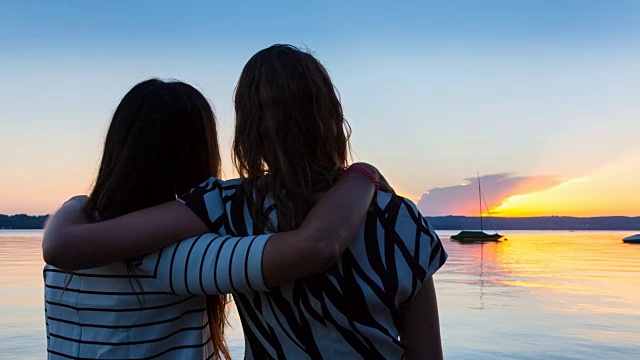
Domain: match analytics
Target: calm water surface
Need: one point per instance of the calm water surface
(538, 295)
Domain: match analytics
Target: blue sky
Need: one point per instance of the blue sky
(434, 90)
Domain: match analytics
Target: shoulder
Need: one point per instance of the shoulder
(393, 206)
(205, 200)
(232, 186)
(409, 231)
(211, 183)
(205, 187)
(231, 183)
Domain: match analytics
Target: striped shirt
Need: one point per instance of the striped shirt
(353, 310)
(155, 312)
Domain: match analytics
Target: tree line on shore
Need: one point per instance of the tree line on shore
(22, 221)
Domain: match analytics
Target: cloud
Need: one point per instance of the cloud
(463, 199)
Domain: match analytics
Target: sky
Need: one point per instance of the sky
(540, 98)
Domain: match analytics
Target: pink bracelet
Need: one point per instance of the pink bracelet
(364, 171)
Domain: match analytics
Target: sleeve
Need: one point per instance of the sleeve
(417, 250)
(433, 255)
(206, 202)
(209, 264)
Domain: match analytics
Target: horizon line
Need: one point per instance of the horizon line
(450, 215)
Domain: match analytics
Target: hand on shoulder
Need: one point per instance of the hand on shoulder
(384, 184)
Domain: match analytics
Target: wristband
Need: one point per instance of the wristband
(364, 171)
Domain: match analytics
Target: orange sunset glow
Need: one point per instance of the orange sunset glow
(608, 190)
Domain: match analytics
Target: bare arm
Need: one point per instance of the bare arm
(71, 243)
(420, 331)
(325, 233)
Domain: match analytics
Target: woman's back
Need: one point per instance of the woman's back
(155, 310)
(161, 141)
(108, 313)
(351, 310)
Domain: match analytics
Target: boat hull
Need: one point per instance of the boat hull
(635, 239)
(475, 236)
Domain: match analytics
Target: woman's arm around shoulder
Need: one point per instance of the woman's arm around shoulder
(215, 264)
(326, 232)
(71, 242)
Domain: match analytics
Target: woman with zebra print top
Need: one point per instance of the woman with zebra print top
(291, 141)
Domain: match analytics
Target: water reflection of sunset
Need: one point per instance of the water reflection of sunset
(575, 267)
(576, 292)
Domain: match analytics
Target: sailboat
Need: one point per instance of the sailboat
(477, 236)
(633, 239)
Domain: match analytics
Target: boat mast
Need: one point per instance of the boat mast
(480, 201)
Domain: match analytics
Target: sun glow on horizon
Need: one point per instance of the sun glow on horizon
(610, 190)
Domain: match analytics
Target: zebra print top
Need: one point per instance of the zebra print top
(350, 311)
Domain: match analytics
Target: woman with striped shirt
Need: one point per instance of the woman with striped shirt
(291, 142)
(162, 142)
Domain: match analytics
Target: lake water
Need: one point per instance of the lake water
(537, 295)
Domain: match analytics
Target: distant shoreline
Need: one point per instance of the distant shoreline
(22, 221)
(451, 222)
(536, 223)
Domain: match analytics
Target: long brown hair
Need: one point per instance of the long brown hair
(162, 142)
(289, 126)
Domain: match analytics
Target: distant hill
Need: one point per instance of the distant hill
(23, 221)
(536, 223)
